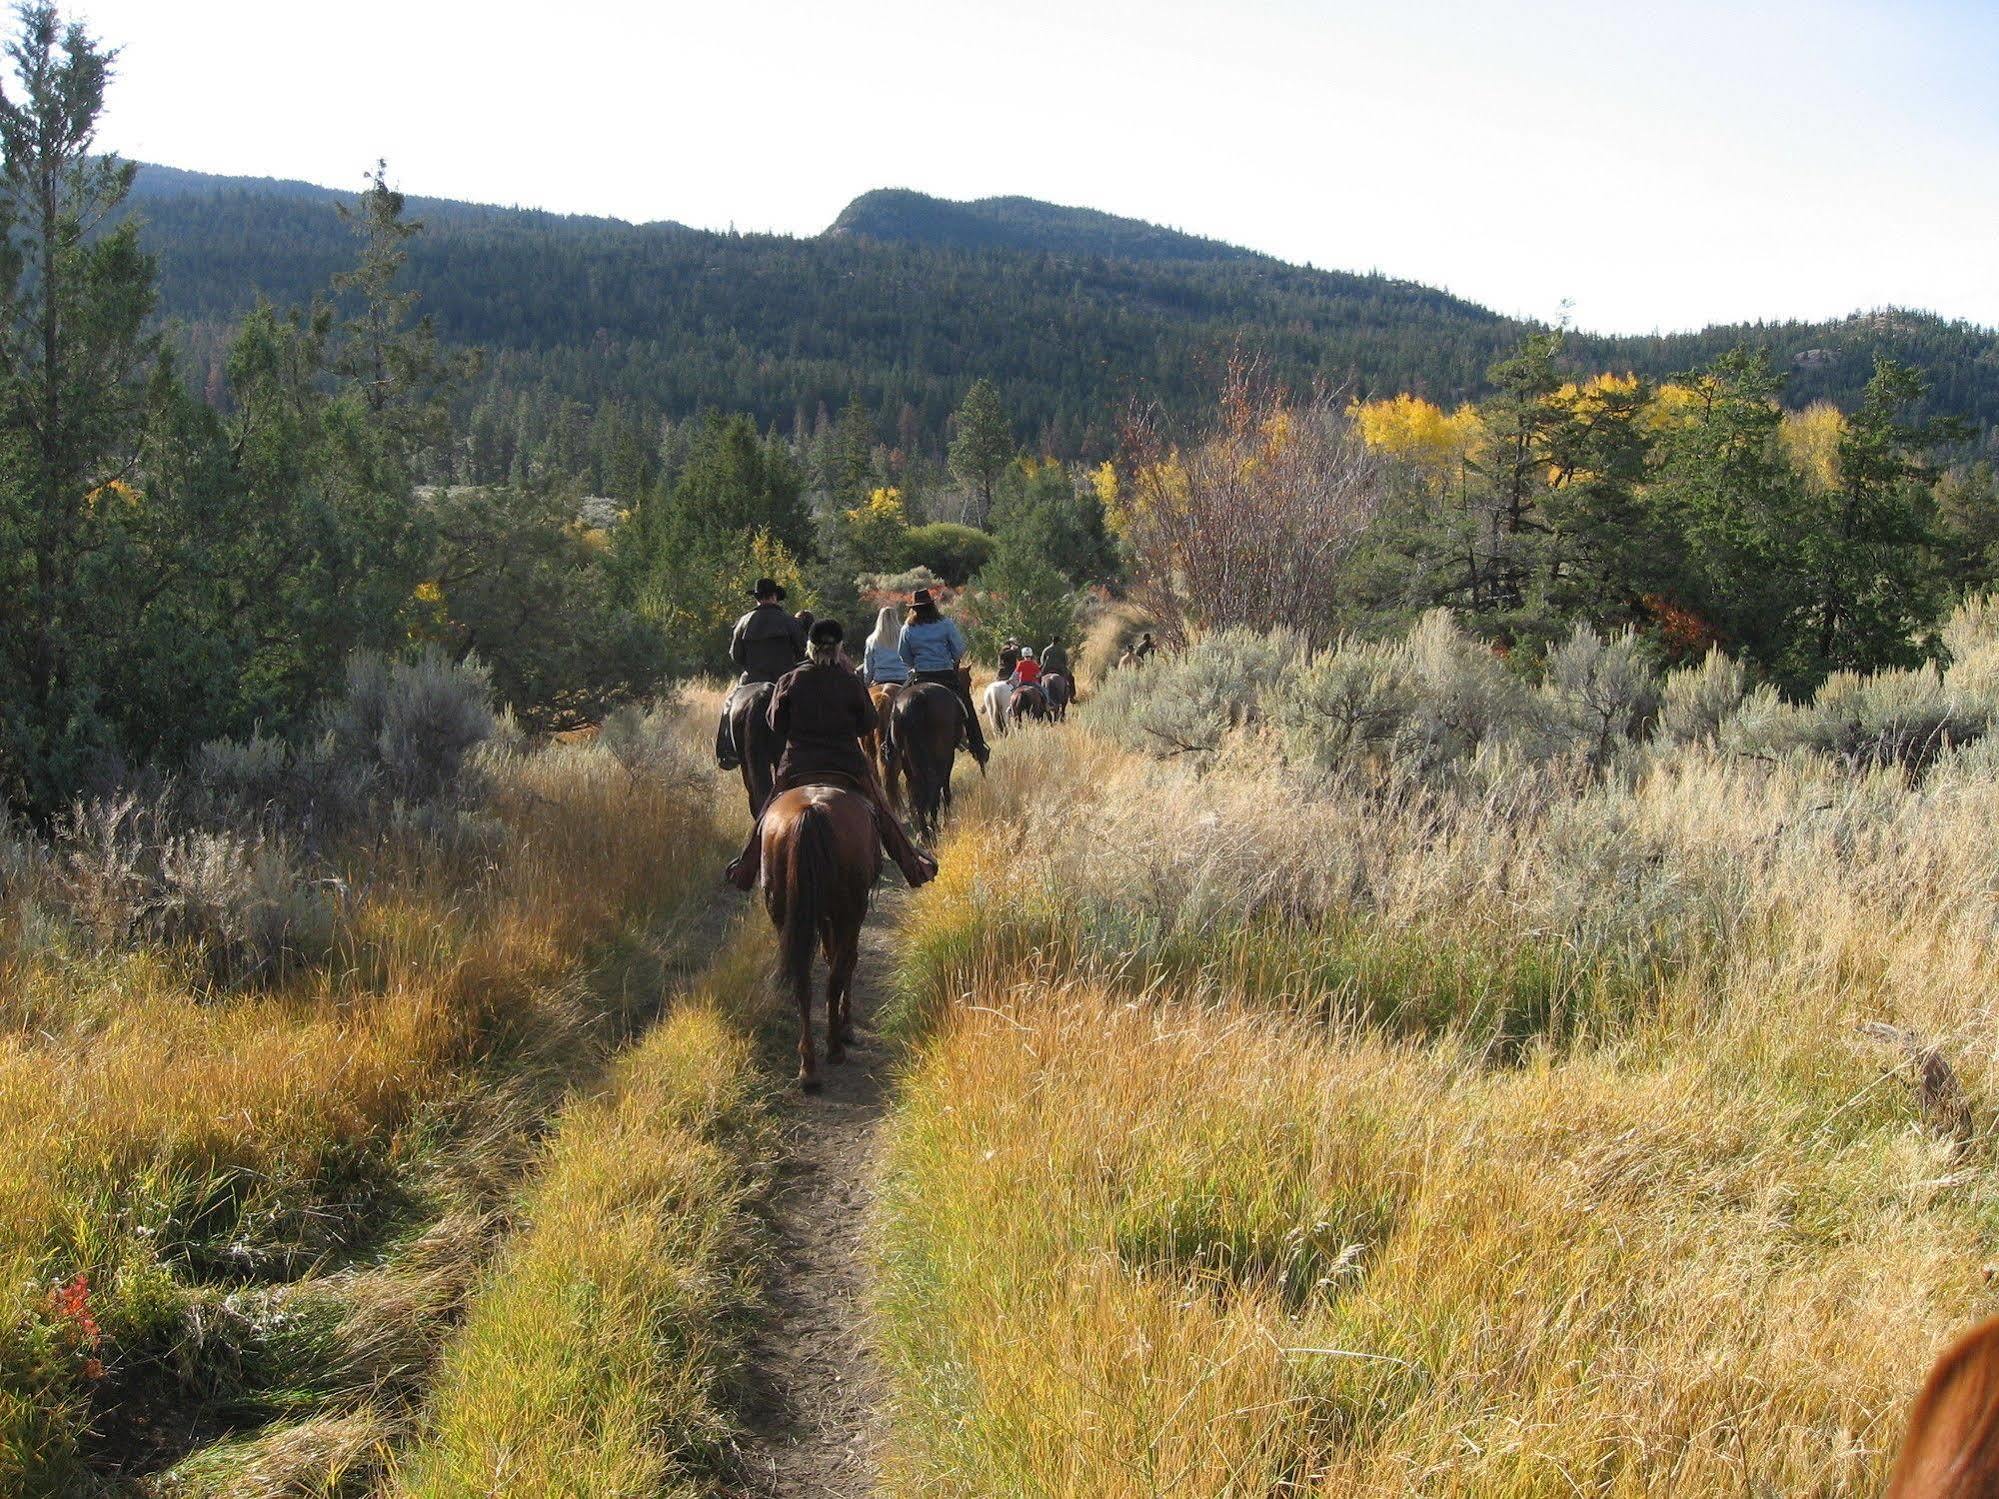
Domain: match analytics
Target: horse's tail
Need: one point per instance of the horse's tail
(810, 859)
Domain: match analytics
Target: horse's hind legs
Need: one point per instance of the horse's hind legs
(840, 1000)
(808, 1059)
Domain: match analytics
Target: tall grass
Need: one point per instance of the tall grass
(1278, 1127)
(168, 1151)
(597, 1357)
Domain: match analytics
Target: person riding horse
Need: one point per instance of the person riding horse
(1055, 659)
(821, 710)
(881, 663)
(765, 645)
(932, 648)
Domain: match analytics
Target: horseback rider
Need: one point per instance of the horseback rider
(1026, 672)
(821, 710)
(881, 663)
(1054, 659)
(766, 643)
(932, 648)
(1009, 658)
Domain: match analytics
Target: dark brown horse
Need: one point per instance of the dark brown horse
(1061, 693)
(1031, 701)
(821, 857)
(1952, 1447)
(925, 726)
(875, 744)
(757, 743)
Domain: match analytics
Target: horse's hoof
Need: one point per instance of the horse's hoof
(808, 1083)
(836, 1054)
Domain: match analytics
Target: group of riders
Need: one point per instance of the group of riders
(821, 712)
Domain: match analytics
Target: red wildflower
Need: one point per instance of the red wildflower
(70, 1302)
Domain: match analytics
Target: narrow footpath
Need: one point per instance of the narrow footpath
(814, 1416)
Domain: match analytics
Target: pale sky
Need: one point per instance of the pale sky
(1660, 165)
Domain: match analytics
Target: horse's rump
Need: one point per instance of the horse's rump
(1061, 692)
(821, 857)
(997, 699)
(1951, 1450)
(927, 724)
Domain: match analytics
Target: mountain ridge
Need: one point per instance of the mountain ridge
(905, 299)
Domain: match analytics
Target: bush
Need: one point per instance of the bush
(243, 903)
(412, 723)
(1598, 692)
(1697, 701)
(1189, 702)
(1465, 696)
(1893, 717)
(950, 551)
(645, 743)
(239, 900)
(1348, 702)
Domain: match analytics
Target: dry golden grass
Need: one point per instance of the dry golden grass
(1211, 1178)
(151, 1130)
(596, 1357)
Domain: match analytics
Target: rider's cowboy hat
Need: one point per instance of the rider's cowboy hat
(921, 597)
(767, 588)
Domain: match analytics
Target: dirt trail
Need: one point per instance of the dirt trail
(814, 1415)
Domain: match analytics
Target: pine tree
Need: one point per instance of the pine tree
(74, 297)
(983, 446)
(1866, 553)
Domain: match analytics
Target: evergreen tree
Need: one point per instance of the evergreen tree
(849, 474)
(1732, 508)
(1865, 554)
(73, 363)
(983, 446)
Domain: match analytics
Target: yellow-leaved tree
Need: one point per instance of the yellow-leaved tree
(877, 529)
(1810, 440)
(1420, 433)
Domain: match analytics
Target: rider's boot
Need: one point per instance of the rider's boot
(917, 867)
(744, 869)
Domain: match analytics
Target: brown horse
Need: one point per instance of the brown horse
(1031, 701)
(757, 743)
(821, 857)
(875, 743)
(1061, 693)
(1952, 1448)
(924, 728)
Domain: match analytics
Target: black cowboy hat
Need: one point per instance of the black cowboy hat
(921, 597)
(827, 632)
(767, 588)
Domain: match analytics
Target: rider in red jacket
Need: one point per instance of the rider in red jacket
(1028, 672)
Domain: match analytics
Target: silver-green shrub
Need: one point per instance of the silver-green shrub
(413, 722)
(1696, 702)
(1598, 693)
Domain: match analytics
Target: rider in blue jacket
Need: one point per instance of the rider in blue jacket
(932, 648)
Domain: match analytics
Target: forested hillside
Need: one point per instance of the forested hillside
(906, 300)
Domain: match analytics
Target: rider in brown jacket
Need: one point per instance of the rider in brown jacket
(766, 643)
(820, 711)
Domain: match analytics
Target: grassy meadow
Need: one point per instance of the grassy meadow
(1486, 1115)
(309, 1123)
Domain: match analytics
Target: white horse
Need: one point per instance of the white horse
(998, 699)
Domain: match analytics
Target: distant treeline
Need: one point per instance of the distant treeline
(899, 312)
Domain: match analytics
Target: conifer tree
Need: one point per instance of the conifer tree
(983, 446)
(74, 357)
